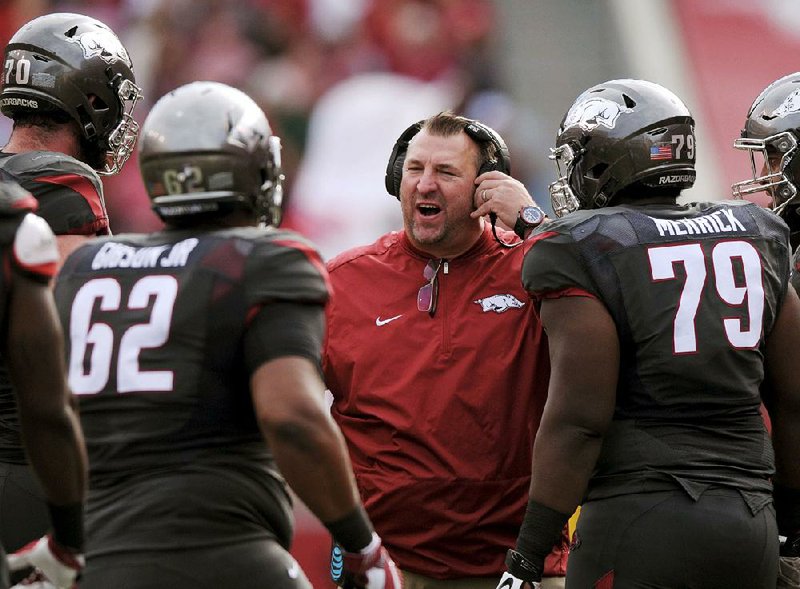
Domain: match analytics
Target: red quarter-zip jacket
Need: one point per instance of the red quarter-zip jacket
(439, 412)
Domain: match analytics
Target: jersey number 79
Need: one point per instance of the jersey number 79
(723, 254)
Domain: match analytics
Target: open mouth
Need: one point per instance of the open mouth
(428, 210)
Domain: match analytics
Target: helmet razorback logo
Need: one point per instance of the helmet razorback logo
(499, 303)
(790, 105)
(102, 43)
(594, 112)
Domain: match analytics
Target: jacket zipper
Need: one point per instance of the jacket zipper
(443, 303)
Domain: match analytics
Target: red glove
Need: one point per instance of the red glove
(56, 564)
(371, 568)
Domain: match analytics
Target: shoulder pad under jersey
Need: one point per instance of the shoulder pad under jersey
(69, 192)
(286, 266)
(35, 249)
(32, 163)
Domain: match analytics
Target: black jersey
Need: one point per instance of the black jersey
(693, 290)
(160, 354)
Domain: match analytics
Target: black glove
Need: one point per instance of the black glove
(521, 573)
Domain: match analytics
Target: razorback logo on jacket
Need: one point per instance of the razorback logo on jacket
(500, 303)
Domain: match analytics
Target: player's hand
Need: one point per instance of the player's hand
(371, 568)
(521, 573)
(789, 564)
(57, 564)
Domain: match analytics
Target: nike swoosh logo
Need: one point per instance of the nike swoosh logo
(379, 321)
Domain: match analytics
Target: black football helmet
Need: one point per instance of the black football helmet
(207, 147)
(617, 134)
(76, 65)
(770, 136)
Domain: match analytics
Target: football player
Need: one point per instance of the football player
(33, 350)
(69, 87)
(675, 315)
(770, 136)
(195, 353)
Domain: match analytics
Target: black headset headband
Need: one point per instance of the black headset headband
(476, 130)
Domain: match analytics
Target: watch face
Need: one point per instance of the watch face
(532, 215)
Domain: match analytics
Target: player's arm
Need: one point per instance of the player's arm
(50, 430)
(289, 398)
(584, 356)
(782, 359)
(289, 401)
(783, 400)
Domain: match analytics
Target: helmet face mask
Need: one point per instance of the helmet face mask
(122, 138)
(770, 138)
(269, 200)
(769, 163)
(561, 195)
(619, 134)
(74, 64)
(207, 149)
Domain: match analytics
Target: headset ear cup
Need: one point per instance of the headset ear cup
(394, 169)
(397, 174)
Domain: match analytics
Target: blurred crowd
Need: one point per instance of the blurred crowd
(339, 80)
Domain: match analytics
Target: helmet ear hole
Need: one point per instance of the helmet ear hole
(97, 102)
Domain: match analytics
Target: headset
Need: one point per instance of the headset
(477, 131)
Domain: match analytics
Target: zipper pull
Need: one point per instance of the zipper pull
(446, 267)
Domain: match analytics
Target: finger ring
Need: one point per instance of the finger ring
(483, 196)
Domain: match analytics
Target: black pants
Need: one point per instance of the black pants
(665, 540)
(241, 566)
